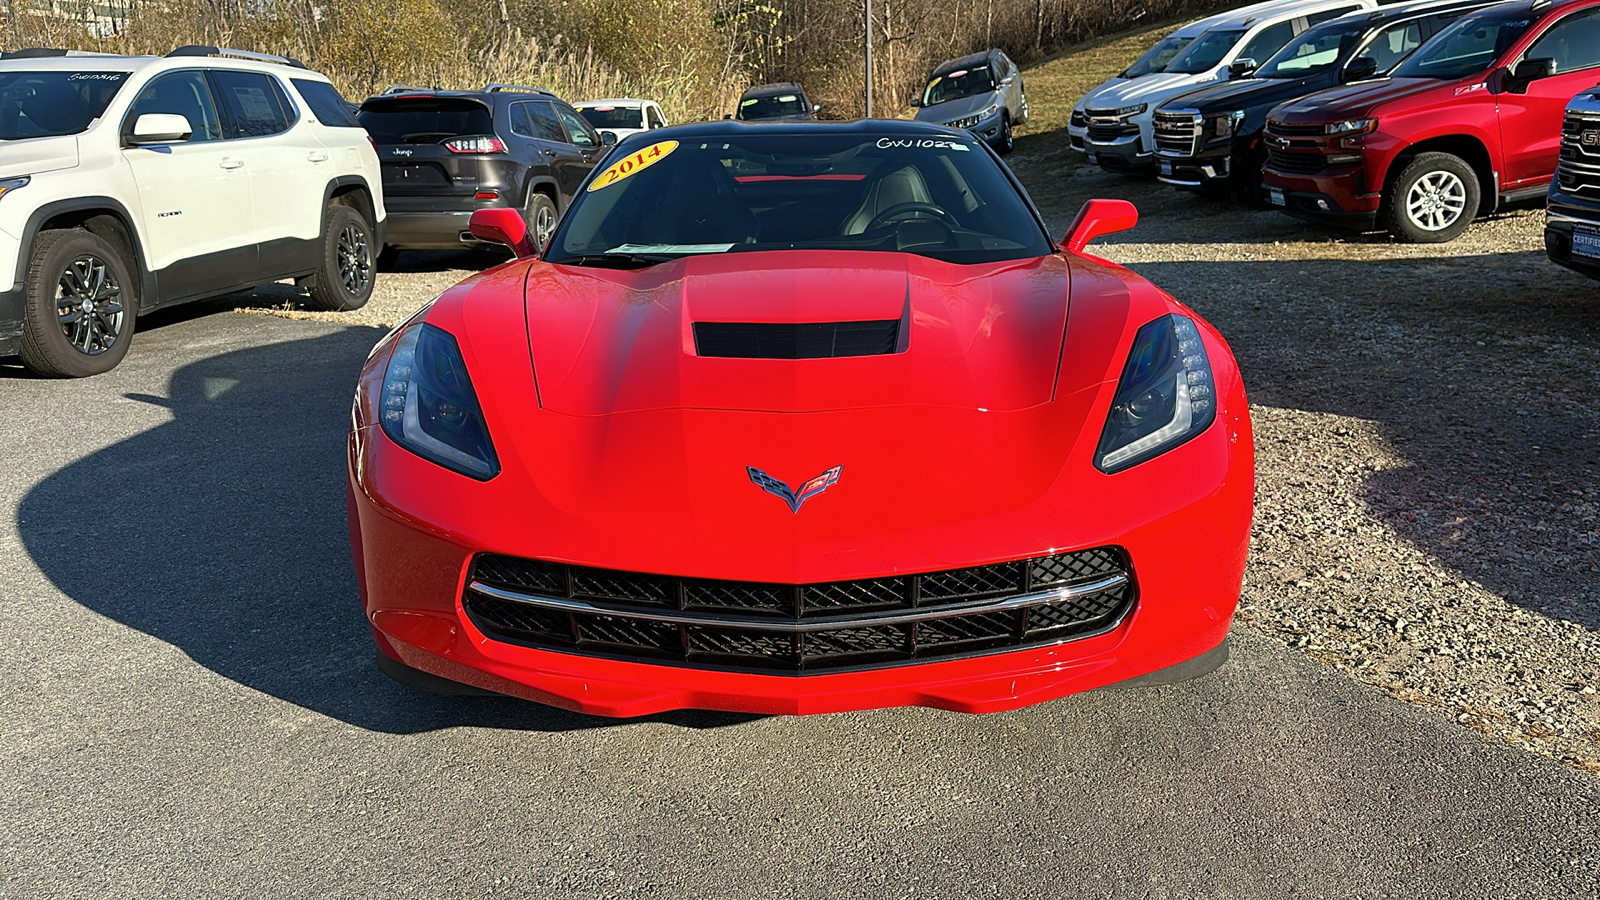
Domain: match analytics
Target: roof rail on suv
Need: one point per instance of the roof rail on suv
(40, 52)
(206, 50)
(495, 88)
(404, 89)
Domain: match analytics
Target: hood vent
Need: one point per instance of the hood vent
(805, 340)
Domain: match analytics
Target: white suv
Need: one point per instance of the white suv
(132, 183)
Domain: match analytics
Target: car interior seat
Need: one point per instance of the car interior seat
(903, 185)
(700, 206)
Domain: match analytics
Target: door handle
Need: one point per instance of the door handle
(232, 163)
(317, 156)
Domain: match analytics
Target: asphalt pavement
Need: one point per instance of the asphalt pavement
(189, 708)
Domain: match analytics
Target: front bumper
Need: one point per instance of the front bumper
(1187, 555)
(1130, 153)
(1560, 224)
(1338, 195)
(1208, 168)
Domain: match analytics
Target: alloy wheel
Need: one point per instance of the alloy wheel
(544, 224)
(355, 259)
(89, 305)
(1436, 201)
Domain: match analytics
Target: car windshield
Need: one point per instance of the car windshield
(50, 104)
(1207, 50)
(423, 120)
(1156, 58)
(960, 83)
(772, 106)
(613, 116)
(1318, 50)
(1467, 47)
(926, 193)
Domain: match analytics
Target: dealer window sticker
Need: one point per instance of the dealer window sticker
(886, 143)
(633, 164)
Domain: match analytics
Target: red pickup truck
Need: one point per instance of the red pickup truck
(1470, 121)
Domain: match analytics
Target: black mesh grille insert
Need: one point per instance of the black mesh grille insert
(788, 340)
(1297, 163)
(705, 640)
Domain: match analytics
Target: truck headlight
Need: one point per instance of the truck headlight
(1353, 126)
(8, 185)
(1224, 126)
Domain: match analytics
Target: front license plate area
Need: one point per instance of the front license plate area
(1166, 167)
(1275, 197)
(1094, 158)
(1586, 242)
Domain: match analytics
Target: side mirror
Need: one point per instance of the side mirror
(1360, 69)
(1529, 71)
(1241, 68)
(607, 138)
(1098, 218)
(816, 108)
(1006, 81)
(916, 102)
(503, 226)
(160, 128)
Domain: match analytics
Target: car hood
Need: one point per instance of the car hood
(1352, 101)
(1251, 93)
(979, 337)
(958, 109)
(1152, 89)
(1093, 97)
(34, 155)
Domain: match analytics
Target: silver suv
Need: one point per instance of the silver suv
(982, 93)
(133, 183)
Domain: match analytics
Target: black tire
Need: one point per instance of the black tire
(60, 337)
(1433, 200)
(389, 259)
(344, 282)
(540, 214)
(1007, 142)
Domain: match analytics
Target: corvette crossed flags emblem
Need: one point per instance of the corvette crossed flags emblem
(798, 495)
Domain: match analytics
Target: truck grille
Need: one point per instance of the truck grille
(1296, 163)
(1177, 133)
(1285, 130)
(1578, 172)
(1107, 125)
(798, 629)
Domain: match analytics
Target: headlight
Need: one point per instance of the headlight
(1225, 125)
(1133, 110)
(10, 184)
(1354, 126)
(1166, 395)
(429, 408)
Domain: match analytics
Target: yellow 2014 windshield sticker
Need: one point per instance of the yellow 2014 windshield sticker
(633, 164)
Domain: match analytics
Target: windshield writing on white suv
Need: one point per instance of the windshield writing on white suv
(50, 104)
(1206, 51)
(928, 194)
(1465, 48)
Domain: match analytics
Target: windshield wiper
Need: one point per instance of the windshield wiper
(612, 260)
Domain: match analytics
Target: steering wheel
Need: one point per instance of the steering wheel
(901, 209)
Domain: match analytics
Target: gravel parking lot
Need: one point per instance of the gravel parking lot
(1428, 508)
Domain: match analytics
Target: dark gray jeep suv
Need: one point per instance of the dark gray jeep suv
(445, 154)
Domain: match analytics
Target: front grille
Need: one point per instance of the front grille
(1286, 130)
(1106, 133)
(1578, 172)
(785, 340)
(1177, 133)
(1296, 163)
(798, 629)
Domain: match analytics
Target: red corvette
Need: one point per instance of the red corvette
(800, 418)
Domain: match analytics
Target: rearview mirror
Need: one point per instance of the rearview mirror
(1240, 68)
(503, 226)
(160, 128)
(1098, 218)
(1529, 71)
(1360, 69)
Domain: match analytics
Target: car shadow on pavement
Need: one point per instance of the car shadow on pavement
(1478, 373)
(223, 533)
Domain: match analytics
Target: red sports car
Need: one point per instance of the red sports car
(800, 418)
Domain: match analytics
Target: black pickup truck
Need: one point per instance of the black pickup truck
(1572, 225)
